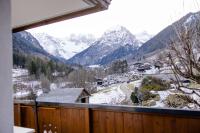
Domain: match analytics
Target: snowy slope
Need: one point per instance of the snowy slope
(63, 47)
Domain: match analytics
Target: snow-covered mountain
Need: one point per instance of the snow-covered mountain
(119, 36)
(102, 51)
(64, 47)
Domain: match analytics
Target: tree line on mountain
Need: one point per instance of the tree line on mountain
(37, 66)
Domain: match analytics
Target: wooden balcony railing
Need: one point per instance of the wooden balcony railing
(89, 118)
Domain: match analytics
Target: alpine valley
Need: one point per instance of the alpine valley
(118, 68)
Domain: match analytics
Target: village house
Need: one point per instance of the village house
(67, 95)
(158, 64)
(144, 67)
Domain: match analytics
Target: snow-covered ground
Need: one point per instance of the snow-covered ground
(19, 72)
(114, 94)
(23, 85)
(163, 95)
(21, 94)
(152, 71)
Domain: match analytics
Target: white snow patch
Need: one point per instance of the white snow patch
(186, 90)
(196, 98)
(198, 92)
(94, 66)
(189, 20)
(39, 92)
(21, 94)
(19, 72)
(152, 71)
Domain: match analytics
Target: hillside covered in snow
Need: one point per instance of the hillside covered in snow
(64, 47)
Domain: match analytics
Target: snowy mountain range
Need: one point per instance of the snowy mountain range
(64, 47)
(115, 43)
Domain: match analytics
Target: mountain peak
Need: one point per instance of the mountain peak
(119, 36)
(116, 43)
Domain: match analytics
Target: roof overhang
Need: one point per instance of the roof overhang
(28, 14)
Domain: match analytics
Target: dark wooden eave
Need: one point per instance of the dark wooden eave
(100, 5)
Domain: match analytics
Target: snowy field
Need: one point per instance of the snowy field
(114, 94)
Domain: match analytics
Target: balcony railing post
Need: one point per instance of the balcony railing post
(36, 117)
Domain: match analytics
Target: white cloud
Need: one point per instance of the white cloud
(137, 15)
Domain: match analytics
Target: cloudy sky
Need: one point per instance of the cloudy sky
(136, 15)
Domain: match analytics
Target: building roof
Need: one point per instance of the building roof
(67, 95)
(28, 14)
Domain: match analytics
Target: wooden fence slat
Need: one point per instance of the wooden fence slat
(147, 123)
(158, 124)
(137, 123)
(27, 116)
(95, 122)
(17, 114)
(87, 120)
(169, 124)
(102, 122)
(110, 122)
(194, 126)
(119, 124)
(182, 125)
(128, 123)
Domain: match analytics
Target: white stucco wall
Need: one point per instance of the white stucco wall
(6, 103)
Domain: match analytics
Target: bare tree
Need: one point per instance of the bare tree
(78, 78)
(183, 52)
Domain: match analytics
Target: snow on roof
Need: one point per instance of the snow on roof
(67, 95)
